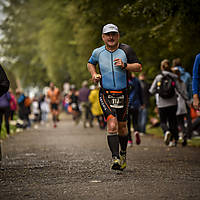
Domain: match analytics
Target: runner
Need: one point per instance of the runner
(54, 95)
(114, 60)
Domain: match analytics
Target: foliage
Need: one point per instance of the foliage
(52, 40)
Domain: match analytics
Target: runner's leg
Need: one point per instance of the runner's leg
(123, 139)
(112, 136)
(123, 135)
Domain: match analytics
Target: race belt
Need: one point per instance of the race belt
(116, 101)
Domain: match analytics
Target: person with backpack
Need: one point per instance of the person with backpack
(24, 103)
(164, 86)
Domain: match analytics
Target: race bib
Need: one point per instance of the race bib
(116, 101)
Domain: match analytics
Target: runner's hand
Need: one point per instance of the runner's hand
(96, 78)
(118, 62)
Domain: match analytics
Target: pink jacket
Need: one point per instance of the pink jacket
(13, 103)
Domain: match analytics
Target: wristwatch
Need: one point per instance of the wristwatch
(125, 66)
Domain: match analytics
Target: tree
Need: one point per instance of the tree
(52, 40)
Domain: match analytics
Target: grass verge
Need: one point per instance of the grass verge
(157, 132)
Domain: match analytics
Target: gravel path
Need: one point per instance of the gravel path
(70, 162)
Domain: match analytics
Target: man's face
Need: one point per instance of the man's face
(111, 39)
(51, 85)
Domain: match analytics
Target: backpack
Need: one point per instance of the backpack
(166, 87)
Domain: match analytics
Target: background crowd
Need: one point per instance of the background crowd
(175, 114)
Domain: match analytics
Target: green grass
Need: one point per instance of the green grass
(3, 133)
(157, 132)
(195, 142)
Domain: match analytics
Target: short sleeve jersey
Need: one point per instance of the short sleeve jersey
(113, 77)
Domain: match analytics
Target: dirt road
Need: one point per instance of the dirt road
(70, 162)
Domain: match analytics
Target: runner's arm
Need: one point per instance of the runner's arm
(92, 69)
(133, 67)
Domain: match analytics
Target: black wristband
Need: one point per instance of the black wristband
(125, 66)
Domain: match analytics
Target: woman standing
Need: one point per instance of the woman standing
(167, 105)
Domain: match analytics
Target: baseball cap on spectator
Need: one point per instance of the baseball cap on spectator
(110, 28)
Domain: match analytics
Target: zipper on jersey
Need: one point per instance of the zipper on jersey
(113, 69)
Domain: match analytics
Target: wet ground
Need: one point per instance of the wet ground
(70, 162)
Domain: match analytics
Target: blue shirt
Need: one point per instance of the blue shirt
(135, 95)
(113, 77)
(196, 75)
(187, 79)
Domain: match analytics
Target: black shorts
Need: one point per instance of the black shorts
(120, 113)
(54, 106)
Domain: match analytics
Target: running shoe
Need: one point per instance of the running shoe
(172, 144)
(54, 125)
(167, 137)
(116, 164)
(137, 138)
(123, 161)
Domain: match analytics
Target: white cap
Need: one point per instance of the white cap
(110, 28)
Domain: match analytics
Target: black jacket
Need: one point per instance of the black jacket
(4, 82)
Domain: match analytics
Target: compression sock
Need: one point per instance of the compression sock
(113, 143)
(123, 140)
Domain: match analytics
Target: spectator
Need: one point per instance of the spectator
(35, 109)
(143, 111)
(4, 86)
(181, 109)
(73, 103)
(13, 104)
(196, 82)
(4, 82)
(135, 102)
(65, 102)
(186, 78)
(5, 111)
(44, 106)
(95, 107)
(167, 106)
(85, 104)
(24, 111)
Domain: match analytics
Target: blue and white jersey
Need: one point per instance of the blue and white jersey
(113, 77)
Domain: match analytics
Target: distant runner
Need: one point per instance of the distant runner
(54, 95)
